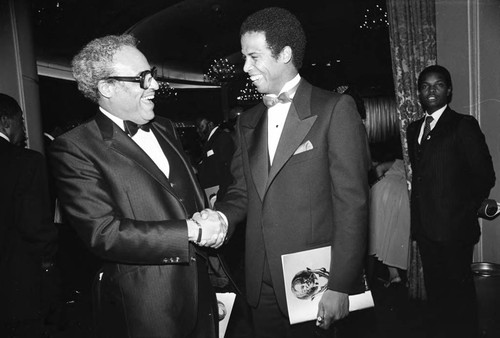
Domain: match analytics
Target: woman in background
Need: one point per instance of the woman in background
(390, 216)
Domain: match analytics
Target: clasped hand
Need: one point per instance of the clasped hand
(214, 228)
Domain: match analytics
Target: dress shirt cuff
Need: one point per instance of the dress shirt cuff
(223, 217)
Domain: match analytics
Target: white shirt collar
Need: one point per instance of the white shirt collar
(212, 132)
(437, 114)
(2, 135)
(50, 137)
(118, 121)
(289, 85)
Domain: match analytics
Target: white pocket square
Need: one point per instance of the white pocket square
(306, 146)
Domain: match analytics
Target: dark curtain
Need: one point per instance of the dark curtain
(412, 32)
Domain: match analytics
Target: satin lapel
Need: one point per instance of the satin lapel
(208, 145)
(118, 141)
(294, 132)
(166, 136)
(256, 138)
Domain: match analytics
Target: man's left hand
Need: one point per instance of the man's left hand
(332, 306)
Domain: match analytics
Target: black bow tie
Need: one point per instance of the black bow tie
(270, 101)
(131, 128)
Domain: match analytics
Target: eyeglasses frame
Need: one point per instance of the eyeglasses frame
(141, 78)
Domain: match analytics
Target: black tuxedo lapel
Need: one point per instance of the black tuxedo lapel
(298, 123)
(208, 145)
(165, 138)
(255, 135)
(120, 142)
(293, 134)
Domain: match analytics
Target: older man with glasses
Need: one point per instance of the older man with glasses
(129, 190)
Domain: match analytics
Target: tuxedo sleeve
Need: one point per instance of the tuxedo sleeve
(234, 203)
(348, 157)
(33, 217)
(92, 206)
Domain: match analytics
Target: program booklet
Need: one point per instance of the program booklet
(306, 279)
(225, 302)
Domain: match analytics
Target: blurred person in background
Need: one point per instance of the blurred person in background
(27, 234)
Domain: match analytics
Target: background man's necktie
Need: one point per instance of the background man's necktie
(131, 128)
(427, 128)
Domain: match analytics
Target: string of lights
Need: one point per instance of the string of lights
(375, 18)
(220, 70)
(249, 93)
(165, 91)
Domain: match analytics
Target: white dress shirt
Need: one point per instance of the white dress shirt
(2, 135)
(276, 117)
(147, 141)
(436, 115)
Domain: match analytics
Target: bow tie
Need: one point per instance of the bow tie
(271, 100)
(131, 128)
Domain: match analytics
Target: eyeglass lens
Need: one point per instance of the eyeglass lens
(147, 76)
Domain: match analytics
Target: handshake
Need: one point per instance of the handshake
(207, 228)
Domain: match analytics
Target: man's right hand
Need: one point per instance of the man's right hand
(214, 228)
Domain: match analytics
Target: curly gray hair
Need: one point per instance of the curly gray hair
(93, 62)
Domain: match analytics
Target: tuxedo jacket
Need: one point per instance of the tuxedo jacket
(452, 173)
(315, 193)
(27, 234)
(127, 213)
(214, 167)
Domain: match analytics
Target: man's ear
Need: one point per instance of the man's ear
(286, 54)
(4, 122)
(105, 88)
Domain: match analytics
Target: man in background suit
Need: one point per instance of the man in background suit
(128, 189)
(452, 174)
(214, 170)
(27, 234)
(300, 177)
(217, 152)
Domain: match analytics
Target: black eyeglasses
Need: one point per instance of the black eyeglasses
(143, 79)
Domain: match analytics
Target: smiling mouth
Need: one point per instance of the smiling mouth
(149, 98)
(255, 78)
